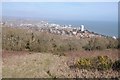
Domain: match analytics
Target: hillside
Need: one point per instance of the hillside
(18, 39)
(44, 65)
(29, 53)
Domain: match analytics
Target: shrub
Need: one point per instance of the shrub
(112, 43)
(116, 65)
(96, 44)
(118, 43)
(84, 63)
(99, 63)
(103, 63)
(27, 45)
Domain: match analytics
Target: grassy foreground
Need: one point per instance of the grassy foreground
(39, 65)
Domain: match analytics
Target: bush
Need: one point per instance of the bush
(103, 63)
(84, 63)
(96, 44)
(99, 63)
(112, 43)
(116, 65)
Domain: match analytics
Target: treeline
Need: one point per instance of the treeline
(21, 39)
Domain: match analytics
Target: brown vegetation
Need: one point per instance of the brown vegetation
(26, 54)
(17, 39)
(39, 65)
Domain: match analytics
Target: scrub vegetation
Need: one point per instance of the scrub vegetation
(16, 39)
(33, 54)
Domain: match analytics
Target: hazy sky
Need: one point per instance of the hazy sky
(96, 11)
(60, 0)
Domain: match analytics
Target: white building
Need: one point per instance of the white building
(74, 32)
(69, 25)
(114, 37)
(82, 28)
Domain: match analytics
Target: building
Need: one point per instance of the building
(82, 28)
(114, 37)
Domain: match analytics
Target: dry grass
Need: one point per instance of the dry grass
(31, 65)
(39, 65)
(111, 53)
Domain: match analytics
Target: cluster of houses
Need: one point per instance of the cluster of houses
(68, 30)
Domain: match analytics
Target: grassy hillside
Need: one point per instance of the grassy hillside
(26, 54)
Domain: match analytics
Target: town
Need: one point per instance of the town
(43, 26)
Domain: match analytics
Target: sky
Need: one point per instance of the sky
(60, 0)
(89, 11)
